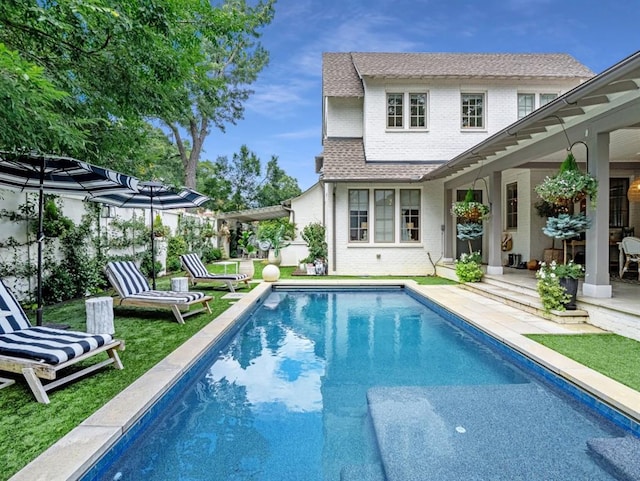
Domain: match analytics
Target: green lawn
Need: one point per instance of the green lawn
(27, 428)
(614, 356)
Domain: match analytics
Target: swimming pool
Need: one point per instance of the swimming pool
(319, 385)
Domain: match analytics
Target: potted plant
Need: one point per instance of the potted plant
(557, 285)
(468, 267)
(274, 236)
(246, 244)
(568, 186)
(469, 210)
(314, 235)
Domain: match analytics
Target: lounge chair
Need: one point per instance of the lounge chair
(133, 290)
(40, 352)
(631, 248)
(197, 272)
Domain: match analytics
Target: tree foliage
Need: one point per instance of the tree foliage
(276, 186)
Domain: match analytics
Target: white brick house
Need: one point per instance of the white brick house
(389, 119)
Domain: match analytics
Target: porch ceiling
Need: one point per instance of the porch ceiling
(608, 102)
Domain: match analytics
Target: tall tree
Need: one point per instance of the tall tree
(219, 86)
(277, 186)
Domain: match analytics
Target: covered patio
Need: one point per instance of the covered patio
(598, 122)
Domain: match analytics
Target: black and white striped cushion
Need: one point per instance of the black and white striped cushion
(198, 270)
(53, 346)
(126, 278)
(168, 297)
(12, 316)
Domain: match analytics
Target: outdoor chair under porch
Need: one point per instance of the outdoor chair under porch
(197, 272)
(39, 352)
(134, 290)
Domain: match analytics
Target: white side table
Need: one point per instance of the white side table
(100, 315)
(180, 284)
(226, 264)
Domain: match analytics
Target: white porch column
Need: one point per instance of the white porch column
(449, 226)
(494, 227)
(596, 282)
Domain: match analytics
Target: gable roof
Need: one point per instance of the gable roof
(342, 72)
(343, 159)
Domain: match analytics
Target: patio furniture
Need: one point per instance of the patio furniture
(631, 248)
(39, 352)
(197, 272)
(133, 290)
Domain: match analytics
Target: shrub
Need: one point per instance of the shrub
(468, 267)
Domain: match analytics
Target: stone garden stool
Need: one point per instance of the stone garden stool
(180, 284)
(100, 315)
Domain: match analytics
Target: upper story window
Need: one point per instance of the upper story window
(416, 113)
(473, 111)
(394, 110)
(358, 214)
(512, 205)
(527, 102)
(384, 215)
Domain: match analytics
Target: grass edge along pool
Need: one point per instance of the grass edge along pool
(513, 355)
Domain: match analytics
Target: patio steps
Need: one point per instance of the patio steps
(522, 296)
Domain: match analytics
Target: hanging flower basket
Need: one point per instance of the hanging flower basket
(568, 186)
(470, 211)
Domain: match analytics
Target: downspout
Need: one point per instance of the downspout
(333, 227)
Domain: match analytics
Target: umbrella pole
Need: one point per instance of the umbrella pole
(153, 248)
(40, 240)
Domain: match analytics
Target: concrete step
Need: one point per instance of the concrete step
(524, 298)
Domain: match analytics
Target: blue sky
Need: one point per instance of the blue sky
(283, 116)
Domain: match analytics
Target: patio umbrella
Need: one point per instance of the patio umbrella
(44, 173)
(155, 196)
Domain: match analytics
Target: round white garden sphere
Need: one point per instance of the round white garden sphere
(271, 273)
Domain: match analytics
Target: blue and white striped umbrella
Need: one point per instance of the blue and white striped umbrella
(155, 196)
(36, 172)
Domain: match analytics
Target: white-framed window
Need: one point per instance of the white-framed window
(473, 110)
(384, 215)
(418, 111)
(394, 110)
(415, 117)
(546, 98)
(410, 215)
(527, 102)
(358, 215)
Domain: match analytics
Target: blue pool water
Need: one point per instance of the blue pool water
(332, 385)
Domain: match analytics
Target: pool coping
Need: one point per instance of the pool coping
(71, 456)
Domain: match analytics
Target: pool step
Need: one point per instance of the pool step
(621, 456)
(363, 472)
(452, 433)
(523, 298)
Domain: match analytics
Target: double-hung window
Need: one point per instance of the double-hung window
(418, 113)
(546, 98)
(358, 215)
(384, 215)
(473, 111)
(526, 104)
(410, 212)
(394, 110)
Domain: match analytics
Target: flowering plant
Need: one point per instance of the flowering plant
(468, 267)
(472, 211)
(552, 294)
(568, 186)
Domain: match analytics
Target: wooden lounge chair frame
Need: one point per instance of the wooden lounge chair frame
(197, 272)
(17, 333)
(33, 371)
(180, 309)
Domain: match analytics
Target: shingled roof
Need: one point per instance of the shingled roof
(344, 160)
(342, 71)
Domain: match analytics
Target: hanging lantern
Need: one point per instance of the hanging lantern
(633, 194)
